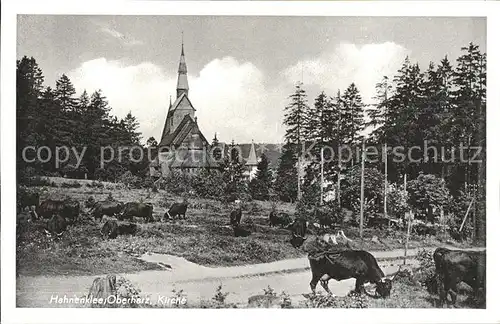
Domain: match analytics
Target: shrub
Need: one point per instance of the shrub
(427, 192)
(178, 183)
(352, 300)
(125, 289)
(95, 184)
(220, 297)
(269, 291)
(208, 185)
(426, 269)
(369, 210)
(373, 185)
(397, 201)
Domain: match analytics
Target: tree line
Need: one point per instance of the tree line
(57, 117)
(443, 106)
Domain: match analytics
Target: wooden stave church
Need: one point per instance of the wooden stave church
(182, 146)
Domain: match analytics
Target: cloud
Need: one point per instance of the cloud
(229, 96)
(232, 99)
(124, 39)
(235, 99)
(364, 65)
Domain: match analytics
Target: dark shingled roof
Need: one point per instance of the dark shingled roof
(185, 127)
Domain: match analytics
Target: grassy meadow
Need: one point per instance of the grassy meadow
(203, 238)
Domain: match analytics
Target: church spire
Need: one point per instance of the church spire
(182, 82)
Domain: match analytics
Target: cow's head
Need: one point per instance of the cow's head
(297, 240)
(384, 287)
(120, 206)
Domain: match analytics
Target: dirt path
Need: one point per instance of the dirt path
(197, 282)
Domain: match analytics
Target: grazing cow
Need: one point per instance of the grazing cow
(68, 208)
(240, 231)
(56, 226)
(346, 264)
(378, 221)
(110, 229)
(25, 216)
(176, 210)
(324, 218)
(27, 198)
(455, 266)
(126, 229)
(298, 229)
(235, 217)
(136, 209)
(279, 219)
(424, 229)
(108, 208)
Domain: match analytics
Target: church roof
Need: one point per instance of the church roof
(186, 126)
(177, 103)
(182, 81)
(252, 156)
(248, 154)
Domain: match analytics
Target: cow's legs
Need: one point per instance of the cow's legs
(453, 296)
(360, 288)
(314, 283)
(324, 283)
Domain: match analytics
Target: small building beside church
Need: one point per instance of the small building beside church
(182, 146)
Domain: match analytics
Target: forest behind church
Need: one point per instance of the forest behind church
(443, 104)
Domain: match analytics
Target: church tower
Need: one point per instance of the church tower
(182, 81)
(182, 105)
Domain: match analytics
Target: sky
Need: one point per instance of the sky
(241, 69)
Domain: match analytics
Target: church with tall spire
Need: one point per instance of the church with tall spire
(183, 146)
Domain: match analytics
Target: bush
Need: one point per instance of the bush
(426, 269)
(208, 185)
(259, 189)
(373, 185)
(427, 192)
(397, 201)
(178, 183)
(352, 300)
(130, 180)
(369, 210)
(125, 289)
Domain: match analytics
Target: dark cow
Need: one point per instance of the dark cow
(298, 229)
(455, 266)
(127, 229)
(108, 208)
(424, 229)
(346, 264)
(240, 231)
(378, 221)
(235, 217)
(110, 229)
(68, 208)
(56, 225)
(27, 198)
(176, 210)
(138, 210)
(324, 217)
(279, 219)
